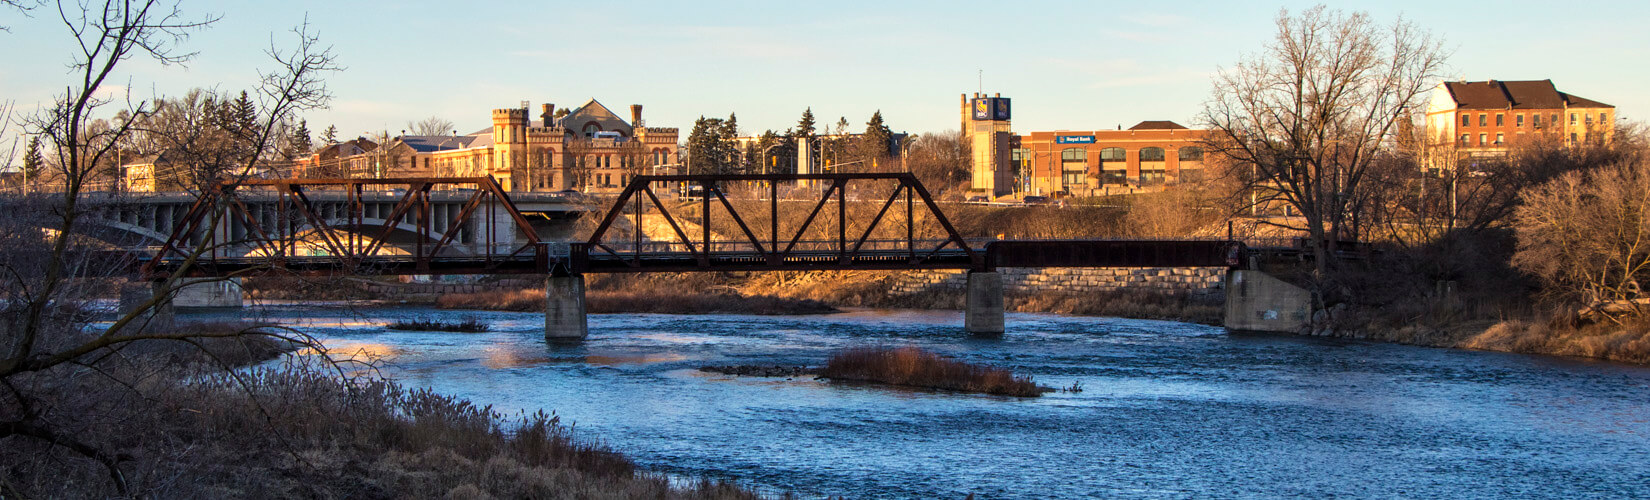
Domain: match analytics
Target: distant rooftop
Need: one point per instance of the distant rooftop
(1156, 125)
(1524, 94)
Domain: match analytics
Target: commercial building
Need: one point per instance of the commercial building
(1466, 121)
(1144, 157)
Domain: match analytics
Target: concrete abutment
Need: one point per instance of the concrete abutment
(1256, 301)
(564, 308)
(984, 315)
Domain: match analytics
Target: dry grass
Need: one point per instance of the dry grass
(1628, 342)
(300, 433)
(241, 350)
(910, 366)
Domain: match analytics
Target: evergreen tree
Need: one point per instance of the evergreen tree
(243, 114)
(805, 127)
(300, 142)
(330, 135)
(873, 145)
(735, 161)
(32, 160)
(707, 153)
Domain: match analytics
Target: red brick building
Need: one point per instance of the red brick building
(1467, 120)
(1086, 163)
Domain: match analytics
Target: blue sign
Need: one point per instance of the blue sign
(1074, 139)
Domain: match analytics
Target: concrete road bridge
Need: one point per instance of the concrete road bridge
(414, 226)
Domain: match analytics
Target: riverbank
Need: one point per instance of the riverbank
(297, 430)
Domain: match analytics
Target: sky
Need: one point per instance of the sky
(1067, 65)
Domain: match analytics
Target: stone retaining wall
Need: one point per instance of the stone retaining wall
(1195, 280)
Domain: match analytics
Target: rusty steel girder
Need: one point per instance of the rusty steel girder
(270, 241)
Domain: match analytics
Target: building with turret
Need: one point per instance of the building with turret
(588, 148)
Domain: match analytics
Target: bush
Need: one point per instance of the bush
(915, 367)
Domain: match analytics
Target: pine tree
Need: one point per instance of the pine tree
(874, 143)
(706, 150)
(805, 127)
(243, 113)
(330, 135)
(300, 142)
(32, 161)
(734, 159)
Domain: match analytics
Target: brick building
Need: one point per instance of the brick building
(1145, 157)
(1473, 120)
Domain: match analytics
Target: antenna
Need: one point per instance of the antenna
(982, 81)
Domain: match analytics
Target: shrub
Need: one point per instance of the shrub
(915, 367)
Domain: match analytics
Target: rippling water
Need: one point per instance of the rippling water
(1167, 409)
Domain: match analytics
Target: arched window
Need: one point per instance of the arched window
(1191, 153)
(1074, 167)
(1152, 168)
(1114, 166)
(591, 128)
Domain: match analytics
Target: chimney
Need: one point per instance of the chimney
(635, 115)
(997, 95)
(549, 113)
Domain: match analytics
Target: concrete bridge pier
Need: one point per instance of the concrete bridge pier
(211, 292)
(984, 315)
(158, 318)
(564, 313)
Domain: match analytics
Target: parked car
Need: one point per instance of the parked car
(1036, 200)
(978, 199)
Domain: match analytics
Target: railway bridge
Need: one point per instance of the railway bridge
(869, 221)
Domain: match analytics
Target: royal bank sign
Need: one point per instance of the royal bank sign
(1074, 139)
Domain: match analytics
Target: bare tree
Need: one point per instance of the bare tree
(1586, 235)
(941, 160)
(47, 280)
(1308, 117)
(433, 125)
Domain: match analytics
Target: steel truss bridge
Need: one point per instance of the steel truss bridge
(661, 231)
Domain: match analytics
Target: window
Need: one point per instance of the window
(1191, 153)
(1572, 119)
(1537, 120)
(1466, 121)
(1572, 137)
(1114, 166)
(1500, 120)
(1483, 139)
(1465, 138)
(1499, 139)
(1483, 120)
(1152, 169)
(1519, 120)
(1601, 119)
(1074, 166)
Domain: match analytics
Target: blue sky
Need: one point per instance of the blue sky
(1066, 64)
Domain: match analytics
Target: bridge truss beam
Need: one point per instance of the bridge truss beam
(221, 234)
(784, 248)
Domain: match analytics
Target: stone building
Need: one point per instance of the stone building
(589, 148)
(1469, 121)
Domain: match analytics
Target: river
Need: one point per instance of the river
(1167, 410)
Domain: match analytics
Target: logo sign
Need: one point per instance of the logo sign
(1000, 110)
(1074, 139)
(982, 109)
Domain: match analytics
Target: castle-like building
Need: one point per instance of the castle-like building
(588, 148)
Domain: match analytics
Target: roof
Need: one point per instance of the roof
(433, 143)
(1526, 94)
(1156, 125)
